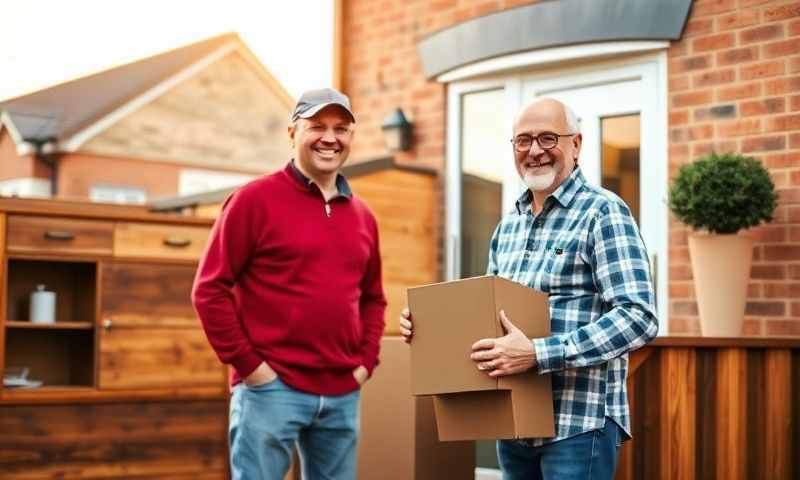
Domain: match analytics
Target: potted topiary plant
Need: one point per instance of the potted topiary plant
(718, 196)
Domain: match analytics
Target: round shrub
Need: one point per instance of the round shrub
(723, 194)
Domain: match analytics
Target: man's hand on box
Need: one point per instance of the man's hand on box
(506, 355)
(406, 327)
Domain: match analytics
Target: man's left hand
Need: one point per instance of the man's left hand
(506, 355)
(360, 374)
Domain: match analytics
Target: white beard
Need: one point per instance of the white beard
(540, 182)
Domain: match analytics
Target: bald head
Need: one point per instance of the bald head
(555, 110)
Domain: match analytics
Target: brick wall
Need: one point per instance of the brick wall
(734, 86)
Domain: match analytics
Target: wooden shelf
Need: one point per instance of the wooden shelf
(51, 326)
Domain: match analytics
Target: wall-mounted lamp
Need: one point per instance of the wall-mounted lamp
(397, 131)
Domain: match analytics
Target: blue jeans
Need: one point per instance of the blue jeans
(266, 421)
(588, 456)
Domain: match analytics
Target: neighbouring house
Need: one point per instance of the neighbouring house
(199, 117)
(655, 84)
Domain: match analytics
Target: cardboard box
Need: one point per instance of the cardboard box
(398, 431)
(448, 319)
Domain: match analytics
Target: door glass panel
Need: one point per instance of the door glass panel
(620, 158)
(484, 134)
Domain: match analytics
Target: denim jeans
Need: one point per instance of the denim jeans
(266, 421)
(588, 456)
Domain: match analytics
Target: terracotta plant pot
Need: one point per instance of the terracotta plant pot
(721, 269)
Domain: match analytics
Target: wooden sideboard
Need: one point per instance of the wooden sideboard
(131, 388)
(714, 408)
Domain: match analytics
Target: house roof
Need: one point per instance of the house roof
(64, 110)
(353, 170)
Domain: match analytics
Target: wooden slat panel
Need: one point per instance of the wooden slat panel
(141, 240)
(28, 234)
(778, 415)
(646, 443)
(794, 446)
(756, 407)
(129, 440)
(147, 291)
(732, 410)
(678, 367)
(3, 292)
(706, 404)
(157, 357)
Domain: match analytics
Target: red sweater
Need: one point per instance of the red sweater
(286, 282)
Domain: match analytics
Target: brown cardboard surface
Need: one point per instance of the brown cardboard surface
(469, 405)
(398, 438)
(448, 318)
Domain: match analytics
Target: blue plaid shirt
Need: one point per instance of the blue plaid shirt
(585, 251)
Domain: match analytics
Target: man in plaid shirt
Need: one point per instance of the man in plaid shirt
(580, 244)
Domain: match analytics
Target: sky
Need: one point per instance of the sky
(46, 42)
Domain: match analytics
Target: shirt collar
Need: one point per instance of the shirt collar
(564, 194)
(341, 183)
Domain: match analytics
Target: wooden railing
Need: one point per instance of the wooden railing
(714, 408)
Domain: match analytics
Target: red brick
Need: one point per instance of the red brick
(753, 290)
(678, 83)
(714, 77)
(703, 149)
(795, 180)
(713, 42)
(486, 8)
(782, 253)
(688, 64)
(683, 325)
(768, 233)
(752, 327)
(780, 179)
(737, 55)
(680, 272)
(796, 309)
(742, 18)
(762, 107)
(708, 7)
(794, 65)
(794, 103)
(439, 5)
(794, 272)
(794, 28)
(699, 26)
(678, 153)
(787, 196)
(794, 234)
(684, 308)
(782, 290)
(678, 49)
(750, 3)
(768, 272)
(678, 117)
(680, 290)
(794, 140)
(782, 160)
(781, 49)
(780, 86)
(794, 217)
(737, 92)
(761, 34)
(739, 127)
(763, 144)
(677, 135)
(783, 12)
(782, 123)
(766, 309)
(701, 132)
(782, 328)
(762, 70)
(689, 99)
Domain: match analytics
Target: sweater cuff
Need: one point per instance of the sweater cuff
(246, 363)
(550, 354)
(370, 366)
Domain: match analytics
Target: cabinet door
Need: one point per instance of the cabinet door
(150, 336)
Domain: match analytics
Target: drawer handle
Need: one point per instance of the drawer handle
(59, 235)
(177, 242)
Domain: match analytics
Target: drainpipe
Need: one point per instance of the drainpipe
(44, 151)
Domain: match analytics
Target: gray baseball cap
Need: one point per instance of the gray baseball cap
(313, 101)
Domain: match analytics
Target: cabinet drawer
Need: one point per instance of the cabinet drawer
(28, 234)
(142, 240)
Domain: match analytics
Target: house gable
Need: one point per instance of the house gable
(226, 115)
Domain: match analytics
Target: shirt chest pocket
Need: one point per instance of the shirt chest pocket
(566, 270)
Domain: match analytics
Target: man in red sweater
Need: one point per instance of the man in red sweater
(289, 294)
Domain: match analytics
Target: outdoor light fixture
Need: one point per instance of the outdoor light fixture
(397, 131)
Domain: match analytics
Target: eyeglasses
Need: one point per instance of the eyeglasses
(546, 141)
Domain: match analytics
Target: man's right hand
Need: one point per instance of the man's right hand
(406, 327)
(261, 375)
